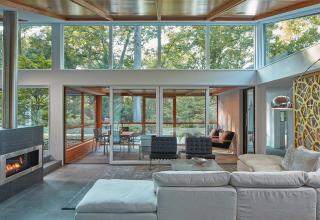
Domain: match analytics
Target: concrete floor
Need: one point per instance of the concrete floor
(44, 201)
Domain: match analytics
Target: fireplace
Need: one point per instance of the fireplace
(20, 159)
(19, 163)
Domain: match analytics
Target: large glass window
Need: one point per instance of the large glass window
(286, 37)
(123, 47)
(33, 109)
(80, 117)
(183, 47)
(184, 113)
(134, 118)
(231, 47)
(35, 47)
(86, 47)
(73, 114)
(149, 47)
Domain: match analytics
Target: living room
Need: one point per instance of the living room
(141, 109)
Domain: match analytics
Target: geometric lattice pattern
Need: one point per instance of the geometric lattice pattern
(307, 111)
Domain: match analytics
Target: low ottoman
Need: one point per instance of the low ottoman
(119, 200)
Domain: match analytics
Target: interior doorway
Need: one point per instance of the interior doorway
(249, 121)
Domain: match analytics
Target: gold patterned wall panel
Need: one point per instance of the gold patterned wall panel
(307, 111)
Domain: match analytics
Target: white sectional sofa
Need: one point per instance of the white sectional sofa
(206, 195)
(300, 159)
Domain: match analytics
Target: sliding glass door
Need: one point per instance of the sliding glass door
(134, 122)
(183, 113)
(137, 113)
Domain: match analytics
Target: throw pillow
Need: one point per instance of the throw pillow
(287, 161)
(304, 159)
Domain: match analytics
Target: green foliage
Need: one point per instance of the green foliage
(183, 47)
(231, 47)
(290, 36)
(86, 47)
(35, 47)
(33, 104)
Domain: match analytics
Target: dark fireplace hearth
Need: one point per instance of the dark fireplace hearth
(20, 159)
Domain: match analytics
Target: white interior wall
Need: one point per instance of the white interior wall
(230, 114)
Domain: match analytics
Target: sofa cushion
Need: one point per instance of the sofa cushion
(262, 162)
(304, 159)
(119, 196)
(191, 178)
(287, 161)
(314, 179)
(285, 179)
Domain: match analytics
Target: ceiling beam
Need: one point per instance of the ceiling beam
(95, 9)
(216, 12)
(158, 7)
(36, 10)
(287, 9)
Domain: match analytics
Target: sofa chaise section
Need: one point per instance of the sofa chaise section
(118, 200)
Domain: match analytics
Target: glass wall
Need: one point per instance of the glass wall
(134, 121)
(79, 117)
(35, 47)
(184, 113)
(232, 47)
(86, 47)
(137, 47)
(33, 109)
(287, 37)
(183, 47)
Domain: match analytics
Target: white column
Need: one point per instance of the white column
(56, 122)
(260, 119)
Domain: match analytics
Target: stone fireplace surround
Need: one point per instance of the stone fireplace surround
(21, 139)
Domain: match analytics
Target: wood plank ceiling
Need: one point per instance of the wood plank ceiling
(156, 10)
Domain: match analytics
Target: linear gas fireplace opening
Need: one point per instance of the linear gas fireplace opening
(21, 162)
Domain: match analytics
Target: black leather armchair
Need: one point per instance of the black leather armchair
(163, 148)
(199, 147)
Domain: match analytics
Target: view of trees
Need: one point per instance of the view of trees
(86, 47)
(286, 37)
(183, 47)
(232, 47)
(73, 114)
(35, 47)
(33, 109)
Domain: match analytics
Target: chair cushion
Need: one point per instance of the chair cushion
(287, 161)
(285, 179)
(227, 135)
(119, 196)
(304, 159)
(191, 178)
(214, 133)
